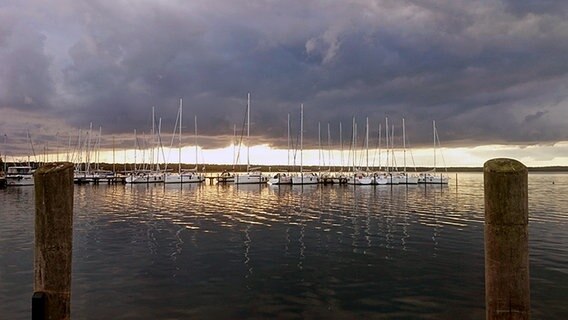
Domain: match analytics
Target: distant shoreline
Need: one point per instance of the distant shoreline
(121, 167)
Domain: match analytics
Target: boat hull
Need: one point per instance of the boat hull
(20, 180)
(140, 179)
(433, 179)
(184, 178)
(305, 179)
(250, 179)
(280, 180)
(360, 180)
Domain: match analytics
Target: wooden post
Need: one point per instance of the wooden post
(507, 293)
(53, 240)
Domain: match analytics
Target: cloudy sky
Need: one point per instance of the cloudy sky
(489, 72)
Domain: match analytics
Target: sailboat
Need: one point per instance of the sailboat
(380, 177)
(20, 176)
(253, 175)
(360, 177)
(283, 177)
(327, 176)
(228, 176)
(405, 177)
(303, 178)
(432, 177)
(340, 177)
(145, 175)
(189, 176)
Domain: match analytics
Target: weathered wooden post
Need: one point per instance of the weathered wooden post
(507, 293)
(53, 241)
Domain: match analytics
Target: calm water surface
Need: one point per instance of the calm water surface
(324, 252)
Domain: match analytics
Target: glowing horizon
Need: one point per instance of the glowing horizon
(532, 156)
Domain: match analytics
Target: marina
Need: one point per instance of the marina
(283, 160)
(174, 251)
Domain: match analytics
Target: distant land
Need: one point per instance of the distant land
(121, 167)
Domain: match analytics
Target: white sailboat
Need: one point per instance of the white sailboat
(405, 177)
(185, 176)
(20, 176)
(283, 177)
(340, 177)
(253, 175)
(360, 177)
(432, 177)
(303, 178)
(228, 176)
(395, 176)
(147, 175)
(380, 177)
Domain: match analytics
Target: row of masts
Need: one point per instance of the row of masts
(87, 153)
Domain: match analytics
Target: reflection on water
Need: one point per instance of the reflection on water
(176, 251)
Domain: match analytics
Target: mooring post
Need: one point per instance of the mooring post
(53, 241)
(507, 293)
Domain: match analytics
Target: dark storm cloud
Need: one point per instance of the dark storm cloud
(25, 81)
(484, 70)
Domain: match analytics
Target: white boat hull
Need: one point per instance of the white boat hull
(380, 180)
(408, 179)
(305, 179)
(20, 180)
(393, 179)
(249, 178)
(146, 178)
(433, 179)
(20, 176)
(184, 178)
(280, 180)
(359, 180)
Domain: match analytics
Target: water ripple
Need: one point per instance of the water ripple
(321, 251)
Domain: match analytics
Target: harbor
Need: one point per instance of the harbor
(283, 160)
(346, 251)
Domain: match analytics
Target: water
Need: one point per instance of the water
(324, 252)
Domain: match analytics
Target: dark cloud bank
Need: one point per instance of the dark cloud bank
(486, 71)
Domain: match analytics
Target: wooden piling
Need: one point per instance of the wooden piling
(53, 240)
(507, 293)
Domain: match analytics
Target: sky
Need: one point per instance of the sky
(492, 74)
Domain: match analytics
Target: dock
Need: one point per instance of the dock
(98, 180)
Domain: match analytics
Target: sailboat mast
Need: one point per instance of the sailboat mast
(329, 146)
(341, 143)
(79, 151)
(319, 145)
(404, 143)
(354, 143)
(195, 142)
(234, 145)
(153, 138)
(99, 148)
(159, 144)
(89, 148)
(394, 165)
(135, 148)
(113, 156)
(248, 131)
(288, 140)
(180, 124)
(302, 141)
(434, 129)
(380, 132)
(68, 146)
(367, 142)
(387, 142)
